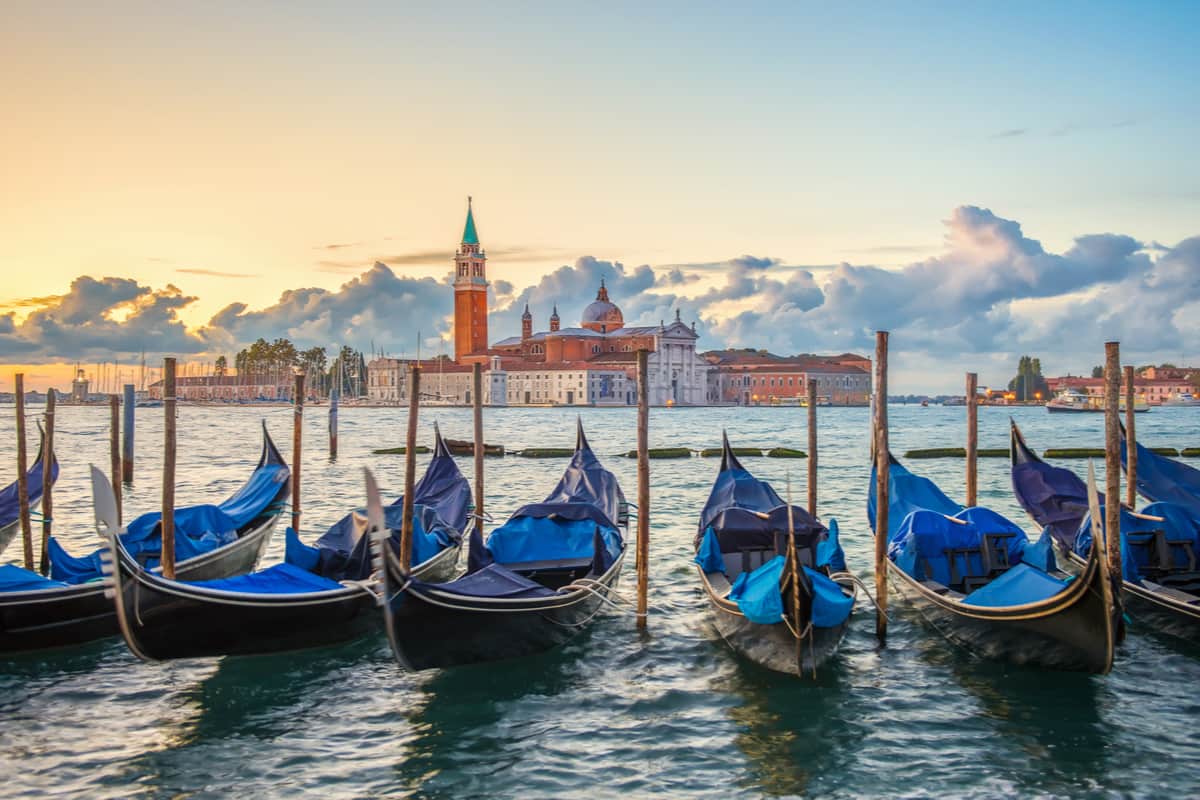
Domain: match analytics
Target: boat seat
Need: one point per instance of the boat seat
(745, 561)
(942, 589)
(1173, 594)
(1160, 553)
(971, 577)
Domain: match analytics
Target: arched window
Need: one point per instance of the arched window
(595, 348)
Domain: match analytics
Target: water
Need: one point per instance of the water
(613, 713)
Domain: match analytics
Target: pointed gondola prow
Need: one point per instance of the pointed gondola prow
(440, 449)
(581, 442)
(729, 460)
(109, 528)
(1100, 556)
(270, 453)
(1018, 450)
(378, 536)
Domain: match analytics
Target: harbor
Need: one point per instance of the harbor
(645, 708)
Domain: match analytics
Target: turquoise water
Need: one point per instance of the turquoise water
(614, 713)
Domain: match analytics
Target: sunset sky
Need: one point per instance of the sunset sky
(984, 179)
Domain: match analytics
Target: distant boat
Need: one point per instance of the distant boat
(924, 404)
(148, 404)
(1074, 401)
(954, 401)
(1182, 399)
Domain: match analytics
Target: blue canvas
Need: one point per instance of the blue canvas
(1019, 585)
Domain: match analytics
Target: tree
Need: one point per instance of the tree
(1029, 380)
(220, 366)
(1097, 372)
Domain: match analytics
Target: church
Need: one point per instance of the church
(593, 363)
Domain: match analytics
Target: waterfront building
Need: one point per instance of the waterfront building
(226, 389)
(757, 377)
(1155, 391)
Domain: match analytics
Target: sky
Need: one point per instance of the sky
(985, 180)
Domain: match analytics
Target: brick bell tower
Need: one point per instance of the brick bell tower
(470, 293)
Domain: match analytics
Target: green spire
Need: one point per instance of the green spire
(469, 234)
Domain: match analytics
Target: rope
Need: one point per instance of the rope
(858, 584)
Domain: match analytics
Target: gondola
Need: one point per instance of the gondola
(974, 577)
(541, 577)
(1160, 585)
(747, 568)
(211, 542)
(10, 519)
(1161, 479)
(319, 595)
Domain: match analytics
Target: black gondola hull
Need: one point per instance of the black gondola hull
(168, 619)
(427, 634)
(772, 646)
(62, 617)
(1177, 618)
(1072, 631)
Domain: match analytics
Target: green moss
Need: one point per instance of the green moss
(663, 452)
(1164, 451)
(399, 451)
(1191, 452)
(546, 452)
(708, 452)
(1074, 452)
(955, 452)
(786, 452)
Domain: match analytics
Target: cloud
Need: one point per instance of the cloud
(100, 318)
(991, 293)
(377, 306)
(1010, 133)
(217, 273)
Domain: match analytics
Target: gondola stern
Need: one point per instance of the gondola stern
(270, 453)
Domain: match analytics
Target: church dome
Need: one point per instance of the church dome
(602, 315)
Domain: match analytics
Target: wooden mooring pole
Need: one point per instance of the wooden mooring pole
(48, 461)
(410, 468)
(114, 448)
(1112, 455)
(477, 445)
(972, 440)
(882, 476)
(333, 424)
(130, 403)
(643, 488)
(1130, 443)
(812, 447)
(297, 446)
(168, 479)
(22, 477)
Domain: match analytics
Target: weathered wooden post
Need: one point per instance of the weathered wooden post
(477, 448)
(643, 488)
(812, 447)
(1112, 455)
(972, 440)
(48, 460)
(114, 448)
(333, 424)
(22, 477)
(1130, 442)
(297, 445)
(130, 404)
(410, 467)
(168, 479)
(882, 477)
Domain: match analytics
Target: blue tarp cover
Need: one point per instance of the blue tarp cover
(550, 538)
(907, 493)
(1017, 586)
(709, 555)
(1179, 524)
(1163, 479)
(344, 553)
(491, 581)
(829, 550)
(198, 529)
(759, 597)
(1056, 498)
(443, 488)
(585, 482)
(19, 579)
(279, 579)
(9, 505)
(747, 513)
